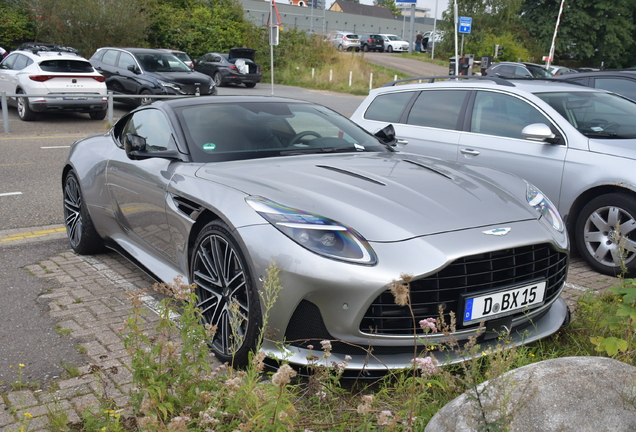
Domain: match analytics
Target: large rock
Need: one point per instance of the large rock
(566, 394)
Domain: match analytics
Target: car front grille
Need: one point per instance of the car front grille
(192, 89)
(472, 274)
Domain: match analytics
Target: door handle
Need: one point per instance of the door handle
(469, 152)
(402, 141)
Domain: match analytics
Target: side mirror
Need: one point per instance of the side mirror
(539, 132)
(133, 144)
(134, 69)
(386, 135)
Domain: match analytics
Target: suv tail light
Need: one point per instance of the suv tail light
(345, 38)
(43, 78)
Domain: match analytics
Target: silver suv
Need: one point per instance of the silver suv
(576, 144)
(344, 41)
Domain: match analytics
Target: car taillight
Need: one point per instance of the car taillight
(345, 38)
(370, 40)
(43, 78)
(233, 67)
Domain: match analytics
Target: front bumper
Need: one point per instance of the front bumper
(340, 294)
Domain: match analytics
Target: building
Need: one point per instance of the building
(361, 9)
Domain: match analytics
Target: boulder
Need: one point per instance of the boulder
(565, 394)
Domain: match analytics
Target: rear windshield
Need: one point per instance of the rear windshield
(75, 66)
(352, 36)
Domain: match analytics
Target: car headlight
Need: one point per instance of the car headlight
(170, 85)
(544, 206)
(316, 233)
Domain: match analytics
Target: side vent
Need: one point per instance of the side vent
(187, 207)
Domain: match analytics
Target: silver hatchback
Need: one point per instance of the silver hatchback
(344, 41)
(576, 144)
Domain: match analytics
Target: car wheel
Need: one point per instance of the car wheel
(146, 99)
(79, 227)
(605, 232)
(250, 85)
(365, 48)
(226, 293)
(24, 110)
(340, 48)
(98, 115)
(390, 49)
(218, 79)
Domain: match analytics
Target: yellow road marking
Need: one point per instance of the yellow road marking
(18, 164)
(42, 137)
(31, 234)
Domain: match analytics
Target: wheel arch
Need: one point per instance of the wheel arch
(589, 195)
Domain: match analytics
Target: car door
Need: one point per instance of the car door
(493, 139)
(8, 74)
(620, 85)
(138, 188)
(105, 62)
(129, 81)
(209, 64)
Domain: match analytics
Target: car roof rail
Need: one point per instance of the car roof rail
(431, 79)
(36, 48)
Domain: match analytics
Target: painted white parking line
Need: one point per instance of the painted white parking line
(10, 193)
(54, 147)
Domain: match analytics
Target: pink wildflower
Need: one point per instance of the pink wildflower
(428, 365)
(428, 324)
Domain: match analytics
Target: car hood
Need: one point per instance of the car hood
(624, 148)
(385, 197)
(185, 78)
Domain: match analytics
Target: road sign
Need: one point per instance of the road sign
(465, 23)
(406, 1)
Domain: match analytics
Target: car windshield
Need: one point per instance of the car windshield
(156, 62)
(248, 130)
(595, 114)
(75, 66)
(539, 72)
(394, 38)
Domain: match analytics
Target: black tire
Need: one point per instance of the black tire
(340, 48)
(98, 115)
(390, 49)
(365, 48)
(24, 110)
(597, 240)
(147, 99)
(222, 275)
(250, 85)
(218, 79)
(79, 227)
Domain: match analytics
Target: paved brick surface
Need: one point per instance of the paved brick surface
(90, 302)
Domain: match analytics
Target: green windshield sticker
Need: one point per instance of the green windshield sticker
(209, 146)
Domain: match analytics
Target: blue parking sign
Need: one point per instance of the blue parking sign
(465, 23)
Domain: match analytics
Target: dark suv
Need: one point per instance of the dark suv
(622, 82)
(141, 71)
(371, 42)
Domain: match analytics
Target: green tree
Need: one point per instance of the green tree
(89, 24)
(493, 22)
(15, 25)
(390, 5)
(591, 32)
(198, 27)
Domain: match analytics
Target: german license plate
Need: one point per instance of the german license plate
(496, 304)
(75, 98)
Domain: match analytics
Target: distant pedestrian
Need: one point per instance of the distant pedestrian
(3, 53)
(418, 42)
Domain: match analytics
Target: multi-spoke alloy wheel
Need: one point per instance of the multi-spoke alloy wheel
(24, 110)
(79, 227)
(606, 233)
(225, 290)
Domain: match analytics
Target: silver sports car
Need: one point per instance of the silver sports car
(217, 188)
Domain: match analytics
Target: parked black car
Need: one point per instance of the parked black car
(518, 70)
(371, 42)
(236, 67)
(141, 71)
(622, 82)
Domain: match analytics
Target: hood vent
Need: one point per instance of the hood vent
(352, 174)
(421, 165)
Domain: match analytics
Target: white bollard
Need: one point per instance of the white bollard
(350, 77)
(394, 77)
(312, 73)
(330, 74)
(371, 81)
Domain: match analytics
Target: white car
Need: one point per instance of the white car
(394, 43)
(55, 71)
